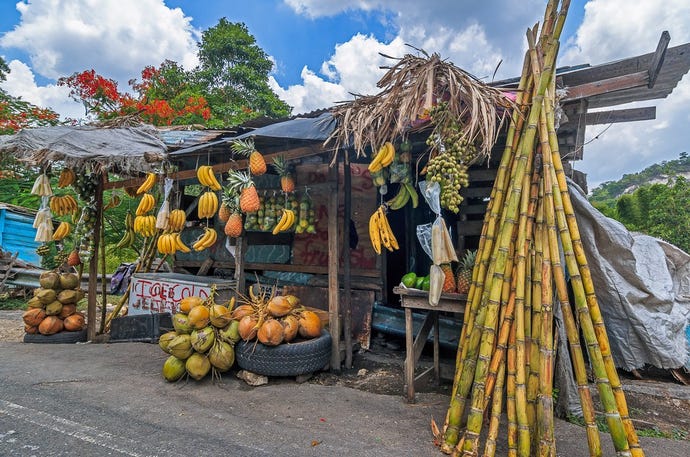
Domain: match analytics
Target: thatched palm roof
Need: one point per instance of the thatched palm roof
(409, 90)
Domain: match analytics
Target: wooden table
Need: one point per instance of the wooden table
(417, 299)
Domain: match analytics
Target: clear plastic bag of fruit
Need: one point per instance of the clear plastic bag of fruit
(164, 211)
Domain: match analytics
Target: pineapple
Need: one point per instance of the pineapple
(245, 148)
(287, 182)
(465, 272)
(234, 224)
(224, 210)
(241, 182)
(449, 278)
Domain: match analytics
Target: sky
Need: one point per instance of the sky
(325, 50)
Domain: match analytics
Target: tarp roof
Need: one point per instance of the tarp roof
(126, 149)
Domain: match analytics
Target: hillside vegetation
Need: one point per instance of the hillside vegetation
(655, 201)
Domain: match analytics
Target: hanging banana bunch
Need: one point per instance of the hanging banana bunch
(205, 240)
(146, 204)
(177, 220)
(128, 238)
(383, 157)
(208, 205)
(380, 231)
(67, 178)
(148, 183)
(207, 177)
(63, 205)
(287, 220)
(62, 231)
(145, 225)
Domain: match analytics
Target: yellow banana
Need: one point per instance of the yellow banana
(375, 164)
(390, 154)
(148, 183)
(212, 240)
(282, 224)
(62, 231)
(374, 233)
(177, 220)
(211, 179)
(179, 244)
(387, 234)
(200, 243)
(202, 176)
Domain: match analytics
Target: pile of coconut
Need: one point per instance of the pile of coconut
(53, 307)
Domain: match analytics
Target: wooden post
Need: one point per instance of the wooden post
(240, 251)
(93, 265)
(333, 254)
(347, 283)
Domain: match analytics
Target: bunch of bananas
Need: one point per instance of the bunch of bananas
(62, 205)
(128, 238)
(208, 205)
(406, 193)
(286, 221)
(67, 178)
(206, 239)
(176, 220)
(114, 202)
(207, 178)
(380, 231)
(383, 158)
(145, 225)
(146, 204)
(62, 231)
(148, 183)
(169, 243)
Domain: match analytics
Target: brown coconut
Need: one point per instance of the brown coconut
(50, 325)
(270, 333)
(279, 306)
(247, 328)
(67, 310)
(33, 317)
(31, 330)
(54, 308)
(309, 324)
(290, 328)
(74, 323)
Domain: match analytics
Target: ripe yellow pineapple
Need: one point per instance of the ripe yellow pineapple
(465, 272)
(241, 182)
(287, 183)
(233, 227)
(224, 210)
(245, 148)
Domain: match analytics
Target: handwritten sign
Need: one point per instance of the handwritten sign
(162, 296)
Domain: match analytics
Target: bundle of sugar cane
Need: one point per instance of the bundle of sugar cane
(507, 338)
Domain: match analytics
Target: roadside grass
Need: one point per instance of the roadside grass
(7, 304)
(654, 432)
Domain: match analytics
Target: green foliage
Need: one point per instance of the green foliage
(12, 304)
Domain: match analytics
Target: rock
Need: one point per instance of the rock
(362, 372)
(252, 379)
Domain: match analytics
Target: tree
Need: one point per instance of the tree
(16, 114)
(234, 71)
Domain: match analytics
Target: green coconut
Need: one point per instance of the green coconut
(221, 356)
(202, 339)
(45, 295)
(165, 340)
(181, 323)
(197, 366)
(49, 280)
(173, 369)
(231, 333)
(34, 302)
(69, 281)
(53, 308)
(180, 347)
(68, 297)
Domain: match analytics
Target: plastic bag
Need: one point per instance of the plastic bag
(424, 237)
(432, 195)
(400, 171)
(164, 212)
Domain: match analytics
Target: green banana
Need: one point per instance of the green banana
(400, 199)
(414, 196)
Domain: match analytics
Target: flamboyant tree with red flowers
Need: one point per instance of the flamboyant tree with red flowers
(16, 114)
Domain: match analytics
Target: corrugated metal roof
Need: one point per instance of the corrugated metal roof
(179, 138)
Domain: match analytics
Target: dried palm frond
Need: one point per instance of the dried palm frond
(409, 90)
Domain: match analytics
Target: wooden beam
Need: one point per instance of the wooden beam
(658, 58)
(638, 79)
(333, 256)
(581, 127)
(292, 154)
(347, 282)
(92, 290)
(621, 115)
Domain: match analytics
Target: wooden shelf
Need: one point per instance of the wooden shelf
(419, 299)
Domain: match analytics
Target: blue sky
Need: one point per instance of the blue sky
(326, 49)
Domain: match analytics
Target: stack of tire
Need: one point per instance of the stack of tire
(52, 314)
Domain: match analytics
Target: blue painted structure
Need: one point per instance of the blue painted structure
(17, 233)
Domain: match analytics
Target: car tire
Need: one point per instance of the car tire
(63, 337)
(287, 359)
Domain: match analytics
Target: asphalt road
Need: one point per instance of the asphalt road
(110, 400)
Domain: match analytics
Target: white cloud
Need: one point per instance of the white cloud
(21, 83)
(617, 29)
(115, 38)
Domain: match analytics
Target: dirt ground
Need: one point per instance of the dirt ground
(659, 405)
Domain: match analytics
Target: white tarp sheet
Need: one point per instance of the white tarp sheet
(643, 288)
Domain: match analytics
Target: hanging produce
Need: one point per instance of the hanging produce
(41, 186)
(206, 239)
(62, 205)
(241, 182)
(507, 342)
(163, 216)
(383, 158)
(233, 222)
(208, 205)
(67, 178)
(287, 182)
(148, 183)
(177, 220)
(307, 215)
(406, 193)
(287, 220)
(145, 225)
(129, 236)
(245, 148)
(62, 231)
(207, 177)
(380, 232)
(146, 204)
